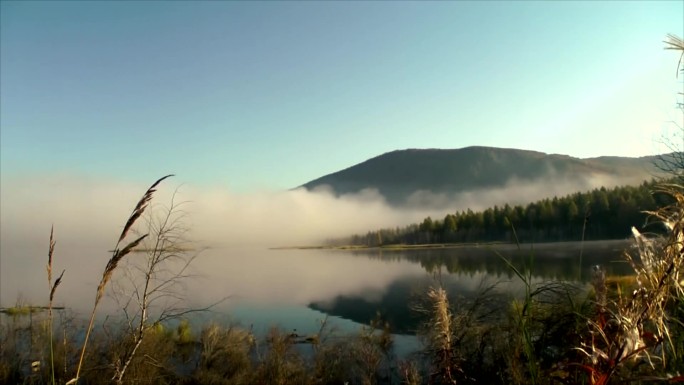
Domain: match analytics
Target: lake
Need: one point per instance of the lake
(296, 289)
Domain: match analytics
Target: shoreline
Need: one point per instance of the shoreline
(427, 246)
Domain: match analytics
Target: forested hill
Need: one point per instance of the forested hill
(594, 215)
(399, 175)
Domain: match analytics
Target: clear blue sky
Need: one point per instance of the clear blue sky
(269, 95)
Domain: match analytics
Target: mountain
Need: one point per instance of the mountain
(425, 177)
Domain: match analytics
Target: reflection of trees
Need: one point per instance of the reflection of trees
(400, 301)
(550, 261)
(599, 214)
(459, 270)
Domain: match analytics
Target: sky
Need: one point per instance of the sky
(254, 96)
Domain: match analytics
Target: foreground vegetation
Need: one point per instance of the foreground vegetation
(609, 332)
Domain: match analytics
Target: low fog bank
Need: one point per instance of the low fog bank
(91, 213)
(87, 212)
(515, 192)
(88, 215)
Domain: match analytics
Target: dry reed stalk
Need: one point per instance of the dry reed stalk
(51, 250)
(52, 287)
(113, 262)
(140, 207)
(638, 327)
(676, 43)
(442, 319)
(441, 333)
(409, 373)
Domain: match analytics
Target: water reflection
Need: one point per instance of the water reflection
(467, 272)
(297, 288)
(560, 261)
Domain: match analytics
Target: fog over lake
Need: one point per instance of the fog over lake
(233, 234)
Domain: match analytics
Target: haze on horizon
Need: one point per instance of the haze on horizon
(88, 215)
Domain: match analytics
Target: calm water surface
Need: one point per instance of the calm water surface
(297, 289)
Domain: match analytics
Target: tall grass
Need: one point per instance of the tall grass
(440, 338)
(521, 312)
(225, 355)
(637, 330)
(117, 255)
(150, 290)
(52, 288)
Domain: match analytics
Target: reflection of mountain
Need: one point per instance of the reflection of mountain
(401, 303)
(465, 273)
(393, 305)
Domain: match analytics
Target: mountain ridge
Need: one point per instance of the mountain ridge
(401, 174)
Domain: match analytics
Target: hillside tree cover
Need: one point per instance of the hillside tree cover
(598, 214)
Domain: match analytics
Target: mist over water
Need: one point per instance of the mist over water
(237, 229)
(232, 233)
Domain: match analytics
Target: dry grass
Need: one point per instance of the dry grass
(281, 364)
(675, 43)
(117, 255)
(53, 288)
(410, 374)
(225, 356)
(440, 338)
(632, 334)
(362, 358)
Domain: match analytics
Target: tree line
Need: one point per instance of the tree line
(602, 213)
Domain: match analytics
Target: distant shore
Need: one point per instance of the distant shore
(426, 246)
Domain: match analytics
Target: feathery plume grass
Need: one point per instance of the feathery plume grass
(676, 43)
(637, 328)
(52, 288)
(140, 207)
(113, 263)
(51, 251)
(117, 256)
(440, 337)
